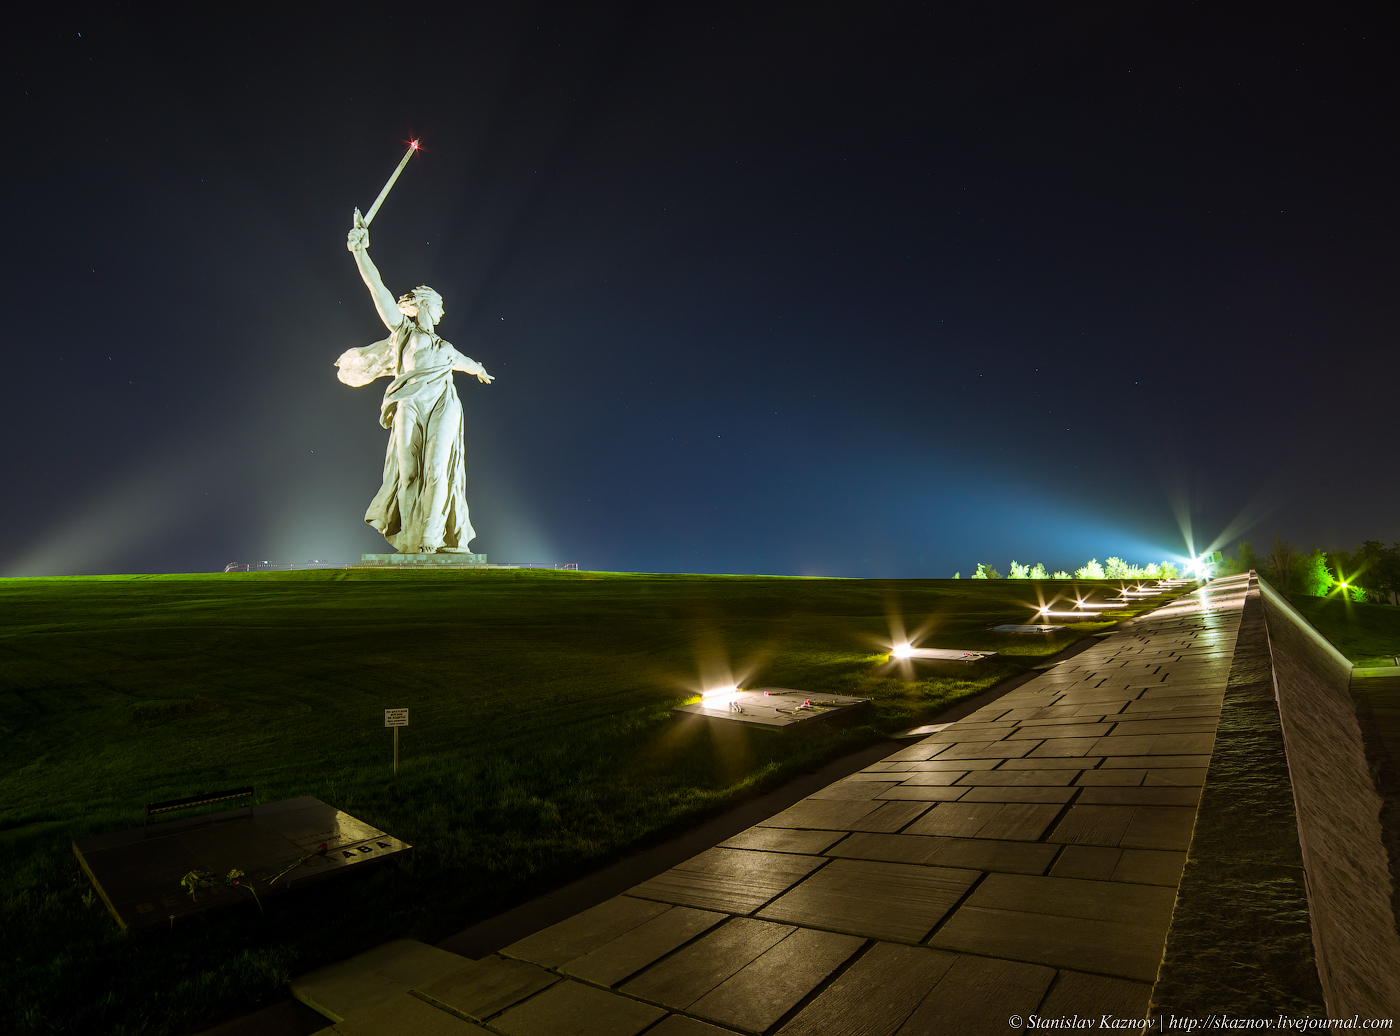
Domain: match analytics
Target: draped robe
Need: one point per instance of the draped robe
(421, 506)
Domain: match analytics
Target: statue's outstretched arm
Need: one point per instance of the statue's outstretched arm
(358, 243)
(467, 365)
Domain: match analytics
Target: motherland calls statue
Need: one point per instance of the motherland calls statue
(422, 506)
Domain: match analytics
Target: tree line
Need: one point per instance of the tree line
(1371, 572)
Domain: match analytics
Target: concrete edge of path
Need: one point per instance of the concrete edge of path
(1339, 827)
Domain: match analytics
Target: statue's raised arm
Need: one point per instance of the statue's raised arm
(357, 241)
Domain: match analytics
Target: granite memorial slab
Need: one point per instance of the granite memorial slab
(277, 846)
(778, 708)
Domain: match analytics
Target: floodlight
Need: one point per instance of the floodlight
(902, 651)
(719, 695)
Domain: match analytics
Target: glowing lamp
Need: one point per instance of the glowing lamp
(719, 696)
(902, 651)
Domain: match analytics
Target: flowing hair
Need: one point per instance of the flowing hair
(422, 296)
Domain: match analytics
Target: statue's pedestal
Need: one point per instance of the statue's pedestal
(446, 559)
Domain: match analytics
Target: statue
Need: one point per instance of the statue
(421, 508)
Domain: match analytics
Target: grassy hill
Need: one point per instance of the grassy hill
(1368, 634)
(541, 743)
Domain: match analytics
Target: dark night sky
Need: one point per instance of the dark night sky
(864, 289)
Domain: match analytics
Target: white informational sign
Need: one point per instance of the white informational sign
(396, 717)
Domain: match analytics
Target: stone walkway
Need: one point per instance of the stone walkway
(1022, 861)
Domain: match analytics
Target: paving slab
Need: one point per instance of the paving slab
(821, 814)
(573, 1009)
(686, 976)
(878, 775)
(783, 840)
(412, 962)
(775, 983)
(352, 986)
(1155, 744)
(1148, 905)
(1035, 762)
(1013, 821)
(977, 996)
(734, 881)
(628, 954)
(1093, 825)
(1183, 725)
(987, 750)
(875, 995)
(1096, 862)
(854, 790)
(1121, 778)
(1052, 724)
(1085, 944)
(1159, 796)
(1021, 821)
(1015, 794)
(1018, 777)
(891, 901)
(680, 1025)
(1180, 776)
(345, 988)
(1096, 996)
(935, 778)
(1061, 730)
(915, 753)
(1151, 866)
(923, 793)
(892, 816)
(405, 1015)
(495, 984)
(585, 932)
(965, 731)
(1156, 761)
(931, 765)
(956, 819)
(1160, 827)
(890, 848)
(1066, 747)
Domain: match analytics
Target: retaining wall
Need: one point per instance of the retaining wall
(1338, 815)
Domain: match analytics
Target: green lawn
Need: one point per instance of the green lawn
(541, 744)
(1368, 634)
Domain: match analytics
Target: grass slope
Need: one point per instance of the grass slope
(541, 745)
(1368, 634)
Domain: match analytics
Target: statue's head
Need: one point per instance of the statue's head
(422, 304)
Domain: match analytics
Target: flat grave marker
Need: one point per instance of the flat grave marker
(778, 708)
(277, 846)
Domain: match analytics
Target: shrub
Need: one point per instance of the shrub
(986, 572)
(1019, 571)
(1060, 574)
(1116, 568)
(1312, 576)
(1093, 570)
(1039, 572)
